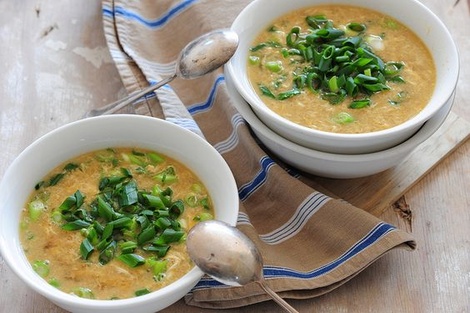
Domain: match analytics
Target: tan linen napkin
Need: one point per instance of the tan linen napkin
(311, 241)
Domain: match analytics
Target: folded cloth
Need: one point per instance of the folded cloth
(311, 242)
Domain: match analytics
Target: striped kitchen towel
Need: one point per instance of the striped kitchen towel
(311, 241)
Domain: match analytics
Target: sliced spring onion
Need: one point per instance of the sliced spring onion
(204, 216)
(41, 267)
(141, 292)
(343, 118)
(359, 104)
(167, 176)
(274, 66)
(132, 259)
(107, 254)
(54, 282)
(332, 63)
(123, 220)
(36, 208)
(86, 248)
(83, 292)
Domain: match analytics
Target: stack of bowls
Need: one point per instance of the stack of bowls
(343, 155)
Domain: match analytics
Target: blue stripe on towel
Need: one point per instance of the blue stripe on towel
(379, 231)
(247, 189)
(301, 217)
(232, 141)
(154, 23)
(201, 107)
(371, 238)
(187, 123)
(243, 219)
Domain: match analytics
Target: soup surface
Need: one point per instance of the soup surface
(330, 89)
(112, 224)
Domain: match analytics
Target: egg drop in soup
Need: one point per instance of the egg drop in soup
(341, 69)
(112, 224)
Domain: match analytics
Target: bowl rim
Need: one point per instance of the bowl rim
(253, 99)
(10, 246)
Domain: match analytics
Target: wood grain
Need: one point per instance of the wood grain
(377, 193)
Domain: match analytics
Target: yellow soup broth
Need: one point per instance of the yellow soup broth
(55, 253)
(386, 38)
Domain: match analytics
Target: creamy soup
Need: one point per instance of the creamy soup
(341, 69)
(112, 224)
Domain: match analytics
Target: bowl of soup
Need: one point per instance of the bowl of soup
(95, 213)
(346, 77)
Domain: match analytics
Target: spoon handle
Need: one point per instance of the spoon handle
(286, 306)
(115, 106)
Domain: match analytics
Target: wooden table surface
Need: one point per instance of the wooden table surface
(54, 66)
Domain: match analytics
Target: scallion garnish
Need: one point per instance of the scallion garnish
(331, 63)
(123, 222)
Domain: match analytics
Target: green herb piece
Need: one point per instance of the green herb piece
(343, 118)
(265, 91)
(359, 104)
(254, 60)
(41, 267)
(54, 282)
(128, 246)
(169, 235)
(107, 254)
(141, 292)
(86, 248)
(155, 158)
(272, 44)
(204, 216)
(274, 66)
(357, 27)
(132, 259)
(83, 292)
(158, 267)
(36, 208)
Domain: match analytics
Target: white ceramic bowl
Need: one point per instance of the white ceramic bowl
(258, 15)
(333, 165)
(91, 134)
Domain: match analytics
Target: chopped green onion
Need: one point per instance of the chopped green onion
(146, 235)
(141, 292)
(123, 220)
(54, 282)
(274, 66)
(86, 248)
(127, 246)
(41, 267)
(167, 176)
(204, 216)
(359, 104)
(107, 254)
(83, 292)
(75, 225)
(35, 208)
(132, 259)
(335, 65)
(357, 27)
(105, 210)
(169, 235)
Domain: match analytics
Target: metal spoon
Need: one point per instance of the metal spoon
(229, 256)
(199, 57)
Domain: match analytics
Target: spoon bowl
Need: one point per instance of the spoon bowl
(199, 57)
(229, 256)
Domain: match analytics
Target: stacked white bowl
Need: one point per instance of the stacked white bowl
(343, 155)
